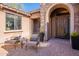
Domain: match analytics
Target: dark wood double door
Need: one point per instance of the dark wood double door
(60, 27)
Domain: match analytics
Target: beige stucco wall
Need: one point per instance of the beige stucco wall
(2, 15)
(24, 32)
(26, 27)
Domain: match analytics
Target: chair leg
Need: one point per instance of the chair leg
(26, 46)
(22, 45)
(36, 48)
(15, 46)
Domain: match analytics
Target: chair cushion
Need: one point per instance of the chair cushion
(34, 37)
(31, 43)
(11, 41)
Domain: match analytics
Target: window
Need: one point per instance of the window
(13, 22)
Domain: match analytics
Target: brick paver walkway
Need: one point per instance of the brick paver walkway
(57, 47)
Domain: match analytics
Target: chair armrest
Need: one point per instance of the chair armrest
(38, 42)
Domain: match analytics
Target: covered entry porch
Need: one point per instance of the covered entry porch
(59, 24)
(35, 17)
(59, 21)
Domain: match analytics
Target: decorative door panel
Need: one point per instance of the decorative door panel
(60, 26)
(53, 27)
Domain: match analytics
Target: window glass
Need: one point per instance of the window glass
(13, 22)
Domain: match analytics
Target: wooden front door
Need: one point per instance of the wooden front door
(60, 26)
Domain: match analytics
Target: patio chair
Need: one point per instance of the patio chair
(13, 41)
(23, 41)
(35, 40)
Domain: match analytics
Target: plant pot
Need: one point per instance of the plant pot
(75, 42)
(41, 37)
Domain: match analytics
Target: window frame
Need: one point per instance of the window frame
(14, 23)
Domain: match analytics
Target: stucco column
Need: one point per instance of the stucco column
(43, 24)
(76, 17)
(46, 27)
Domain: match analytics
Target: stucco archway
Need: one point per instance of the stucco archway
(69, 7)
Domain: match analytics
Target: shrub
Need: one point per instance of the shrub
(74, 34)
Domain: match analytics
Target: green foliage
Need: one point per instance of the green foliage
(14, 5)
(74, 34)
(17, 42)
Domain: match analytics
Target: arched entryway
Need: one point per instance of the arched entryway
(59, 24)
(59, 21)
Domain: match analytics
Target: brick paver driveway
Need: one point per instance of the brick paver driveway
(57, 47)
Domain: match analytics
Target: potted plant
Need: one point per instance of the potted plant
(41, 35)
(75, 40)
